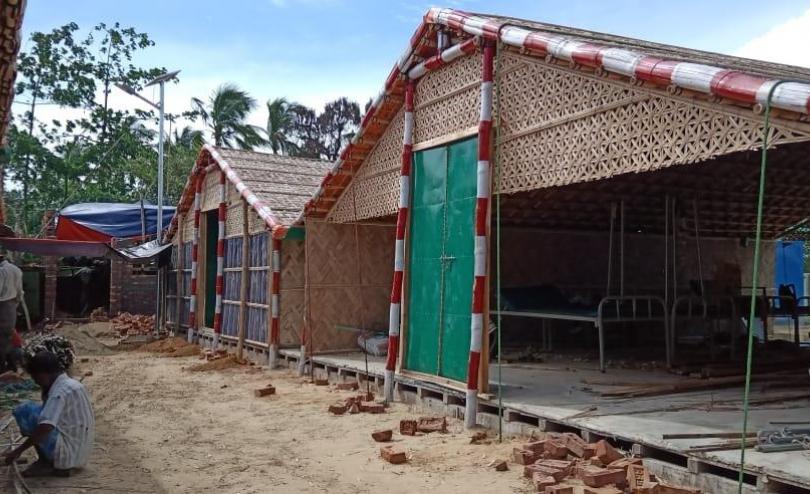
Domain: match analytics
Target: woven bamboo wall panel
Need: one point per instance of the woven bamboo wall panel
(210, 192)
(293, 263)
(560, 127)
(377, 180)
(448, 100)
(233, 221)
(341, 291)
(291, 317)
(188, 226)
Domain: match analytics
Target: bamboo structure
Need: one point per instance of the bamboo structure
(583, 120)
(251, 200)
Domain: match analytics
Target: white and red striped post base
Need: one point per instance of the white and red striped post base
(399, 252)
(275, 325)
(483, 186)
(220, 285)
(195, 241)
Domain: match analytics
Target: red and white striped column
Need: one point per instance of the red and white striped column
(481, 235)
(275, 326)
(195, 242)
(220, 286)
(399, 252)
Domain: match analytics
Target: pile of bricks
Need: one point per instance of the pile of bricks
(561, 461)
(356, 404)
(425, 425)
(127, 324)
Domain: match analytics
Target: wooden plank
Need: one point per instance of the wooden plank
(243, 289)
(719, 435)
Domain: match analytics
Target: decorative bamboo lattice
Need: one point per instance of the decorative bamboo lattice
(233, 222)
(560, 127)
(210, 193)
(446, 102)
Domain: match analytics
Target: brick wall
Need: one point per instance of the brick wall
(130, 290)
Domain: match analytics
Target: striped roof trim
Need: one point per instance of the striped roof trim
(678, 69)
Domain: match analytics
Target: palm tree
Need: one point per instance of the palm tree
(225, 115)
(280, 119)
(188, 138)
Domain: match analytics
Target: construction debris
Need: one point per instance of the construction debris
(499, 465)
(265, 391)
(393, 454)
(432, 424)
(54, 343)
(382, 436)
(99, 315)
(338, 408)
(126, 324)
(408, 427)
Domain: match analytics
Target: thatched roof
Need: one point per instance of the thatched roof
(11, 13)
(276, 187)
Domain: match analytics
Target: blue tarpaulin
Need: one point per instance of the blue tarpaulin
(113, 220)
(790, 265)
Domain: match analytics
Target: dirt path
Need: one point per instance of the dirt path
(163, 429)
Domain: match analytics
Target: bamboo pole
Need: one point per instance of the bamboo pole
(243, 290)
(178, 295)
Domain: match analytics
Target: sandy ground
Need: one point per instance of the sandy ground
(162, 429)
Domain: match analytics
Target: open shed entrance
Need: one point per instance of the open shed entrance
(441, 249)
(653, 269)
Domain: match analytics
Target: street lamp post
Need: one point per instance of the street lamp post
(161, 80)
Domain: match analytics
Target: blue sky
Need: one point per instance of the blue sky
(313, 51)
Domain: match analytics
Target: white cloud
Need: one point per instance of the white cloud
(784, 43)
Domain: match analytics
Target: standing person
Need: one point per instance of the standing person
(11, 294)
(62, 429)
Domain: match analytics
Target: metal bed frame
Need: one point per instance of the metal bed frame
(611, 309)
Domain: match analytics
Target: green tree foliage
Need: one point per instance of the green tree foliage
(280, 118)
(225, 115)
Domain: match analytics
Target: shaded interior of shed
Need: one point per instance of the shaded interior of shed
(688, 231)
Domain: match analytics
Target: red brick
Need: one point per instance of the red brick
(393, 455)
(337, 409)
(559, 489)
(607, 453)
(596, 462)
(382, 436)
(523, 456)
(268, 390)
(564, 465)
(500, 466)
(598, 477)
(530, 470)
(646, 488)
(432, 424)
(407, 427)
(537, 446)
(355, 408)
(624, 463)
(578, 447)
(556, 449)
(603, 490)
(350, 386)
(637, 476)
(321, 382)
(541, 481)
(371, 407)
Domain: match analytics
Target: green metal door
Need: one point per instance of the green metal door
(440, 262)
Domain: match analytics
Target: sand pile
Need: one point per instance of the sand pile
(83, 339)
(184, 351)
(166, 345)
(228, 362)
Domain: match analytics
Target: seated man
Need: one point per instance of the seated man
(62, 428)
